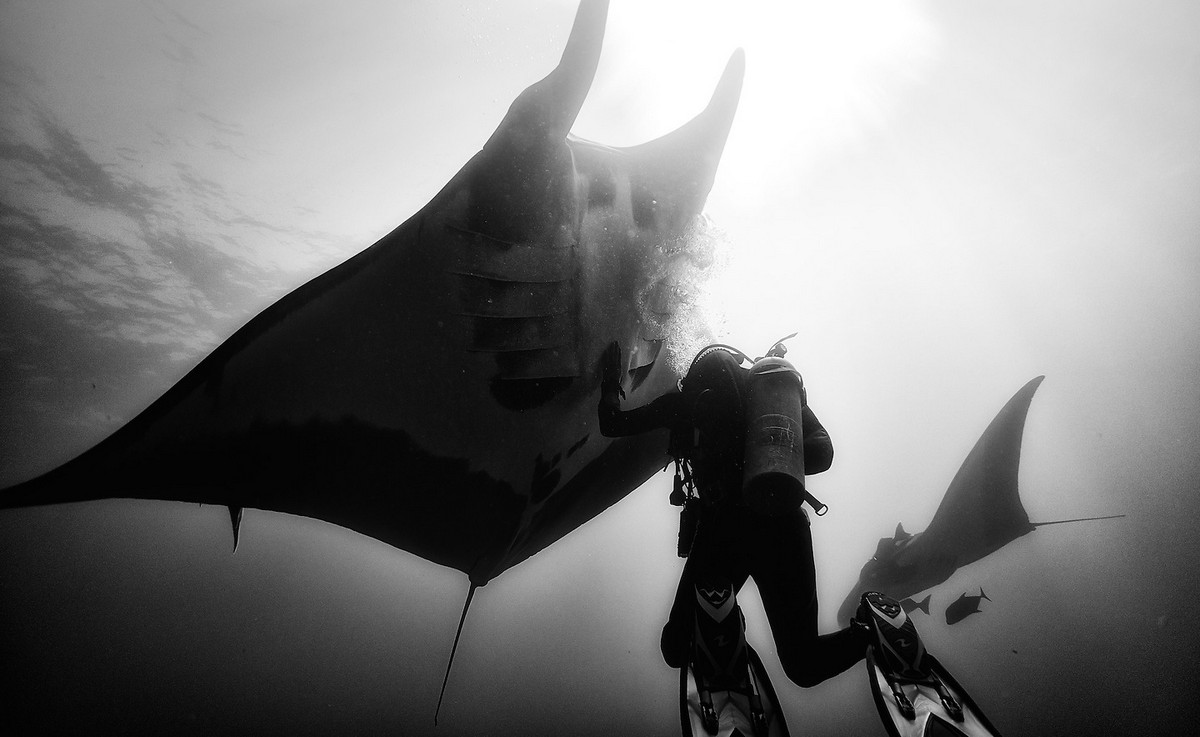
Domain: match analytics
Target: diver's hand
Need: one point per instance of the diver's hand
(610, 371)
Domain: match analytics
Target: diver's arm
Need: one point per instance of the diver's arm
(818, 448)
(662, 412)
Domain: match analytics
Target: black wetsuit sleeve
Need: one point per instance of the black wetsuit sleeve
(818, 448)
(665, 411)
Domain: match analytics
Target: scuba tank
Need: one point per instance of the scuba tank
(773, 477)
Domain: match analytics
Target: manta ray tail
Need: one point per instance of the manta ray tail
(1077, 519)
(462, 620)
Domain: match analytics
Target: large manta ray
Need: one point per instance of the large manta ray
(980, 513)
(437, 391)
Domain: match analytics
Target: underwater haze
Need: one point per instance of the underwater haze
(944, 200)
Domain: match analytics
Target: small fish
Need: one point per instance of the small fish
(964, 606)
(910, 606)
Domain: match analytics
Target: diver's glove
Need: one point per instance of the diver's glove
(610, 373)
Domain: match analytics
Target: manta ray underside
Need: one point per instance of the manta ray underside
(980, 513)
(437, 391)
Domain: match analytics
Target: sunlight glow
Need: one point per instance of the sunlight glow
(821, 80)
(817, 73)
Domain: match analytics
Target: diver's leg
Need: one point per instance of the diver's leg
(714, 560)
(784, 570)
(676, 635)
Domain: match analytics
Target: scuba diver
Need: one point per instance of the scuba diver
(742, 440)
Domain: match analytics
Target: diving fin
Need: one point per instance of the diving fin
(724, 689)
(914, 693)
(716, 713)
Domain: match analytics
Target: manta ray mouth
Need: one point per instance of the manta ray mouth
(525, 313)
(674, 307)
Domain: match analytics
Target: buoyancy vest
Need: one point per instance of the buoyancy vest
(711, 437)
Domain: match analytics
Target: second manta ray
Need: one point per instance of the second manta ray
(980, 513)
(914, 693)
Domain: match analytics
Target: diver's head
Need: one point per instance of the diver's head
(715, 367)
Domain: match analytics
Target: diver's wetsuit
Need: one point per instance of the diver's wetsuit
(734, 542)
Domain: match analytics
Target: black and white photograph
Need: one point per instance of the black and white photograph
(591, 367)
